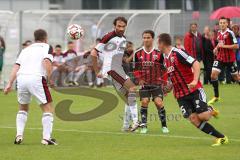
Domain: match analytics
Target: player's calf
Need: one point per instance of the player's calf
(161, 114)
(132, 104)
(204, 126)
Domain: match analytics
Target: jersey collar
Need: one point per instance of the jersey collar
(170, 52)
(146, 51)
(224, 31)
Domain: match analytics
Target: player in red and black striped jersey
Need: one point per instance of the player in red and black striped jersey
(184, 70)
(225, 51)
(148, 70)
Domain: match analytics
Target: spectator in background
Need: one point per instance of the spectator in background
(209, 43)
(236, 30)
(99, 81)
(2, 50)
(76, 71)
(89, 71)
(70, 53)
(128, 59)
(58, 66)
(193, 42)
(229, 23)
(179, 42)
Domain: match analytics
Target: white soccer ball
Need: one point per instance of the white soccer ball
(75, 31)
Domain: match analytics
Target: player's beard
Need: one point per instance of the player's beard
(120, 33)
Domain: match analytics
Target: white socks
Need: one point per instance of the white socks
(47, 123)
(21, 120)
(126, 116)
(132, 103)
(134, 113)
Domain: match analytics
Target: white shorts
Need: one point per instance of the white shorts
(28, 86)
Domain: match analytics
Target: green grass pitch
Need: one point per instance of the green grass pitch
(101, 138)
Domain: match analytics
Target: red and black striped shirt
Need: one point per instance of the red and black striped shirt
(227, 38)
(148, 66)
(179, 69)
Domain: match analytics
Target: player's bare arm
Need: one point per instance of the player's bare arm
(196, 73)
(13, 76)
(48, 66)
(233, 46)
(94, 54)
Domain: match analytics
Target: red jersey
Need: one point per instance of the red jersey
(148, 66)
(227, 38)
(179, 69)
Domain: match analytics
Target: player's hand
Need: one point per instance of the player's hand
(7, 89)
(220, 45)
(51, 83)
(192, 84)
(142, 83)
(99, 75)
(215, 51)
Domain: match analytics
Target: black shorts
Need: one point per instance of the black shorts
(231, 66)
(193, 103)
(151, 91)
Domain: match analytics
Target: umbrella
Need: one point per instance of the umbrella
(228, 12)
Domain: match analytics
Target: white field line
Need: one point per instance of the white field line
(122, 133)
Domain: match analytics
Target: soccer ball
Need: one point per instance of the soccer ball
(75, 32)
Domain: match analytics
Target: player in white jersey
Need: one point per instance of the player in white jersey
(32, 69)
(112, 46)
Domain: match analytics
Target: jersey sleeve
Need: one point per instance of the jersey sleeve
(233, 38)
(100, 46)
(19, 59)
(48, 55)
(185, 58)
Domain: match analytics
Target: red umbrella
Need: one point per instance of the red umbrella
(228, 12)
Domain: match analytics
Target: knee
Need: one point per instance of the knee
(214, 76)
(159, 103)
(236, 77)
(204, 116)
(132, 89)
(145, 102)
(194, 120)
(24, 107)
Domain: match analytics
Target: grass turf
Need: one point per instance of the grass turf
(101, 138)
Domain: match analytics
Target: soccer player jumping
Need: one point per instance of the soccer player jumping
(112, 46)
(184, 71)
(32, 68)
(226, 57)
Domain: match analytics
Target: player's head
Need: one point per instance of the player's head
(229, 22)
(148, 38)
(235, 29)
(129, 47)
(178, 40)
(206, 30)
(120, 24)
(58, 50)
(71, 45)
(164, 41)
(223, 23)
(40, 35)
(193, 27)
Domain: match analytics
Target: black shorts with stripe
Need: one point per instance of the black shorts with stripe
(151, 91)
(195, 102)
